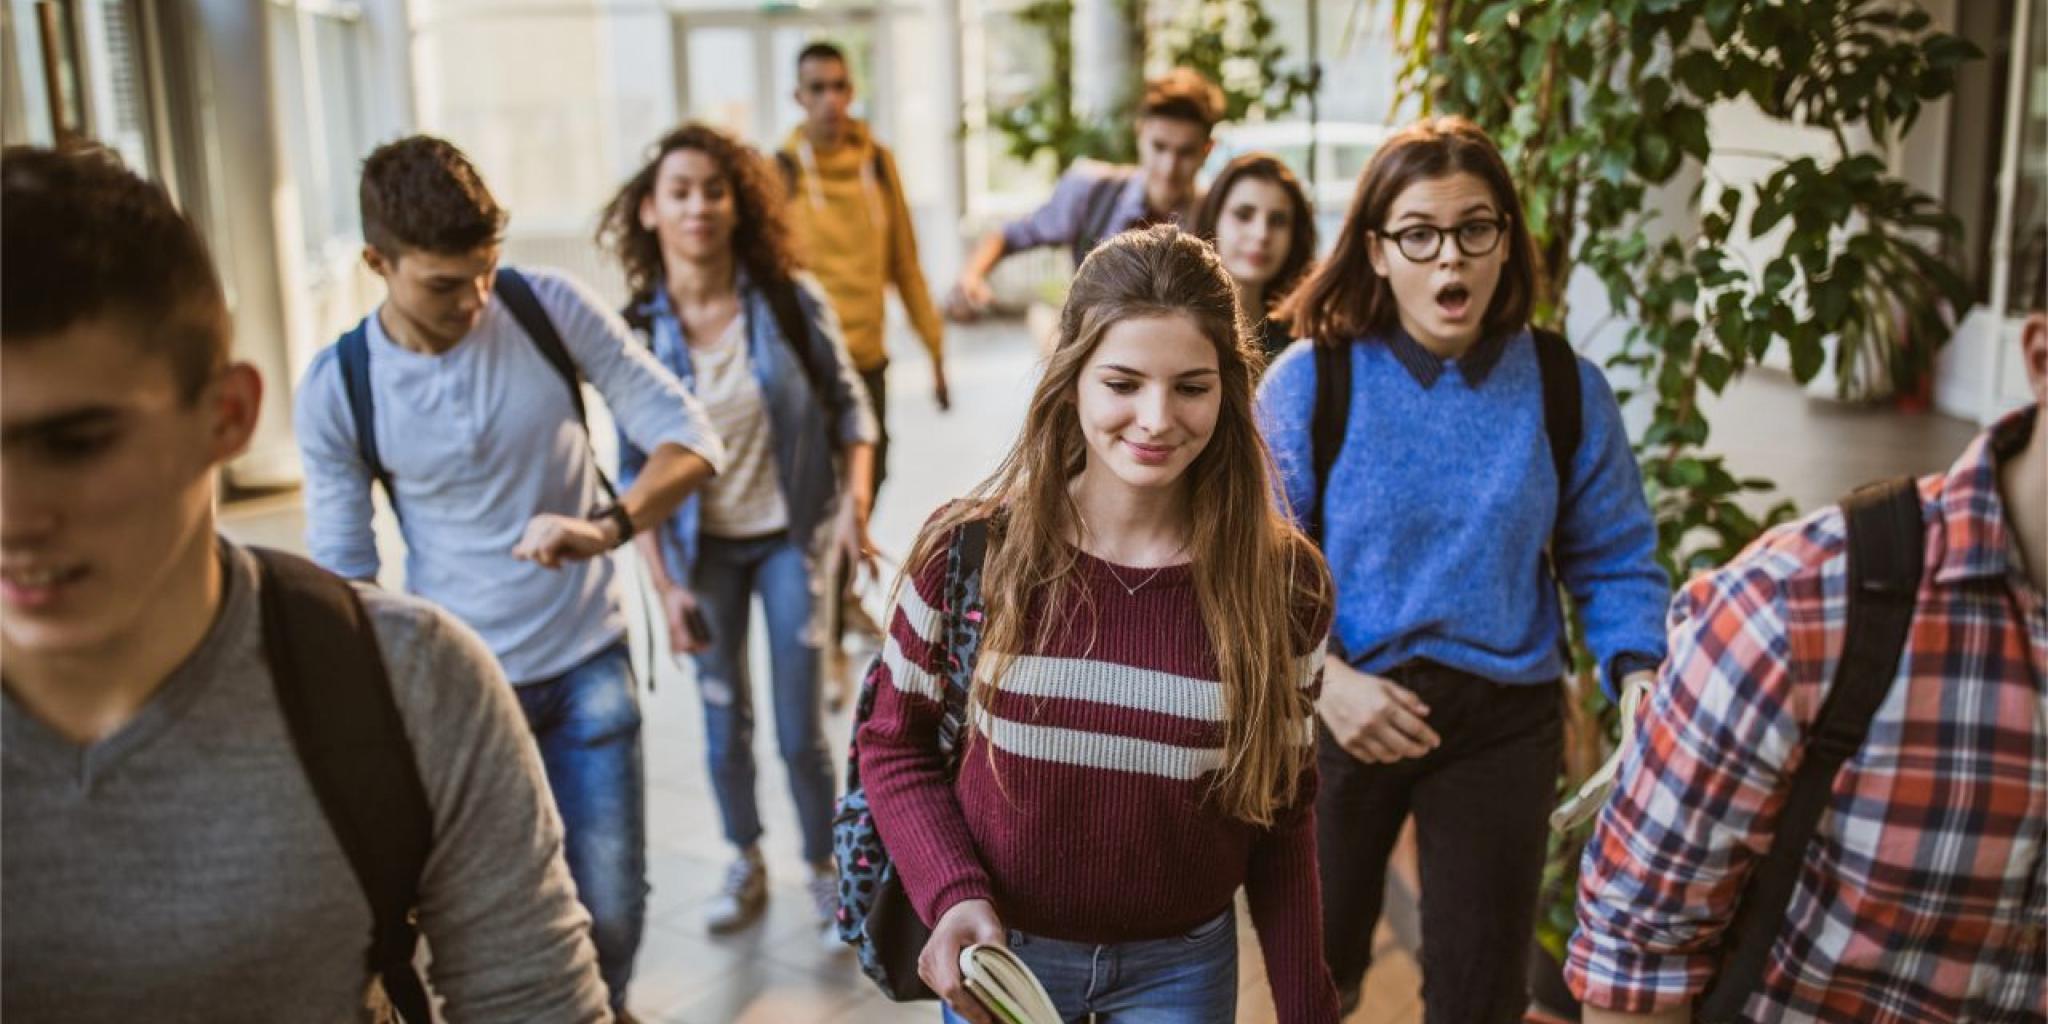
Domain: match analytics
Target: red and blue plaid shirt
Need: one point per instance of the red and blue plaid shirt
(1921, 896)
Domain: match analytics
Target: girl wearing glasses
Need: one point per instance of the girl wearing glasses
(1448, 531)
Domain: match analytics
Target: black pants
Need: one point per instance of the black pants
(1480, 802)
(877, 381)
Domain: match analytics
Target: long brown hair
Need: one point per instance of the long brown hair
(1301, 241)
(1345, 298)
(760, 236)
(1253, 572)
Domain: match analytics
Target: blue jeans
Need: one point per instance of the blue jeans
(725, 579)
(586, 722)
(1186, 979)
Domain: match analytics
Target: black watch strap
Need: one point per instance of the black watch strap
(617, 514)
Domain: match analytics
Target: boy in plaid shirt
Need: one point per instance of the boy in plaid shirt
(1921, 897)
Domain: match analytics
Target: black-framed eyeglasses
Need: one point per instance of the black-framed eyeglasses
(1421, 242)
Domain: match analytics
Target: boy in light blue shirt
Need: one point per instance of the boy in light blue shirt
(475, 433)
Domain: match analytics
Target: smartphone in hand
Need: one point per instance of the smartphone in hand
(700, 627)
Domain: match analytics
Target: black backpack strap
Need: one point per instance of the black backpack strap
(336, 698)
(1887, 546)
(1332, 416)
(1563, 424)
(525, 308)
(1097, 210)
(881, 168)
(797, 334)
(524, 305)
(352, 353)
(1563, 415)
(786, 163)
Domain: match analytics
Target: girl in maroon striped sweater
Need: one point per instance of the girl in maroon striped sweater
(1140, 721)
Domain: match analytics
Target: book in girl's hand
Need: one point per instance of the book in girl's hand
(1008, 988)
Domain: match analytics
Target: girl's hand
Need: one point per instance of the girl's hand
(966, 923)
(850, 536)
(1375, 720)
(679, 607)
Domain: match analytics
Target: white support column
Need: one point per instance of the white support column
(246, 161)
(1988, 405)
(1102, 58)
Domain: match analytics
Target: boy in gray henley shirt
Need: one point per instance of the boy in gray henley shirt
(162, 854)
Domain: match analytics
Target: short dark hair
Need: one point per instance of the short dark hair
(1301, 240)
(83, 238)
(420, 192)
(820, 50)
(1345, 298)
(1183, 94)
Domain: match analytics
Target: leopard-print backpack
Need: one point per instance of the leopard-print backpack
(875, 915)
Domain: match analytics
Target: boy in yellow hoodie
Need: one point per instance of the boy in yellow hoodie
(853, 227)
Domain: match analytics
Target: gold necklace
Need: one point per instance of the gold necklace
(1132, 591)
(1129, 590)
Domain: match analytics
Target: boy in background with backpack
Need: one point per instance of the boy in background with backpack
(1093, 201)
(852, 227)
(1902, 641)
(208, 745)
(460, 394)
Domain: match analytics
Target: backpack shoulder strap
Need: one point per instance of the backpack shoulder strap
(636, 318)
(797, 334)
(1097, 210)
(525, 308)
(352, 353)
(533, 318)
(1887, 548)
(787, 164)
(1563, 415)
(1327, 425)
(881, 168)
(336, 698)
(963, 628)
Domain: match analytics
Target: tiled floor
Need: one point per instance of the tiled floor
(779, 971)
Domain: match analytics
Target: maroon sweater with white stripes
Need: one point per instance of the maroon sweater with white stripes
(1093, 822)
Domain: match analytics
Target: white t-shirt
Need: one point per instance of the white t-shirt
(745, 498)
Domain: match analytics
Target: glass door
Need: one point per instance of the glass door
(738, 69)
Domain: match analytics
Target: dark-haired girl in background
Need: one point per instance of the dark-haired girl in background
(1258, 217)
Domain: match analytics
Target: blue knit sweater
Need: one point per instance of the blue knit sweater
(1441, 503)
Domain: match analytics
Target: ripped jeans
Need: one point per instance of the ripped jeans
(727, 575)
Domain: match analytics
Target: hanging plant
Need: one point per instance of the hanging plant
(1233, 42)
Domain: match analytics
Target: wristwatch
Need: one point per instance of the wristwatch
(617, 514)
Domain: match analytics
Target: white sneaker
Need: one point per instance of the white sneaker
(743, 896)
(824, 890)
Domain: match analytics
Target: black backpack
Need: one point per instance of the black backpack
(336, 698)
(1562, 423)
(1887, 547)
(796, 332)
(353, 352)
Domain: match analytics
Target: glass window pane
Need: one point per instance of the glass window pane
(720, 64)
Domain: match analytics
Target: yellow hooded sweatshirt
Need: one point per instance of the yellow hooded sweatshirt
(853, 232)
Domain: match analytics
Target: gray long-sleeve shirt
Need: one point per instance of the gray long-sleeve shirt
(479, 439)
(181, 870)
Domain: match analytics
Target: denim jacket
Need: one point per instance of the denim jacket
(806, 459)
